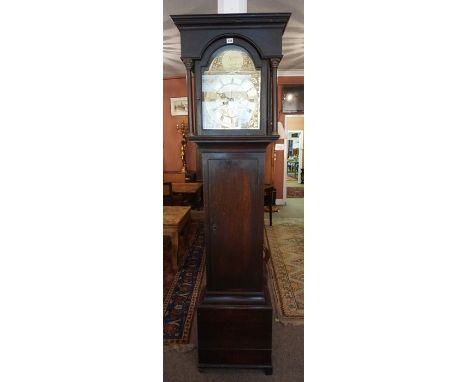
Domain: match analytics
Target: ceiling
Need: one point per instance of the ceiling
(293, 38)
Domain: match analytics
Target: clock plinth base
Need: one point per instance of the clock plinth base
(235, 335)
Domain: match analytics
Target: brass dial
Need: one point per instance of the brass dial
(231, 91)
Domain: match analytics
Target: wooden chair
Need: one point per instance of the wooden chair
(168, 198)
(171, 198)
(174, 177)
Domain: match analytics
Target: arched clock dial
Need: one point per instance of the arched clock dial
(231, 91)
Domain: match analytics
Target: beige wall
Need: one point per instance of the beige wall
(295, 122)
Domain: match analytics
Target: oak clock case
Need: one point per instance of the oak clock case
(231, 61)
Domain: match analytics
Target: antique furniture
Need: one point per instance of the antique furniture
(269, 199)
(185, 191)
(191, 192)
(168, 199)
(231, 65)
(266, 247)
(190, 176)
(176, 219)
(173, 176)
(179, 177)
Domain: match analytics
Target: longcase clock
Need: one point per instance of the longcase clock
(231, 62)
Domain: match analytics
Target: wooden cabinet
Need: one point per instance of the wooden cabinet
(231, 63)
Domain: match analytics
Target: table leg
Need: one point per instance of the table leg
(185, 231)
(271, 210)
(175, 249)
(270, 203)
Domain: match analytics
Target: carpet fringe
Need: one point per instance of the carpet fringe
(290, 322)
(180, 348)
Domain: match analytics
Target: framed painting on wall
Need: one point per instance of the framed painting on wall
(293, 99)
(179, 106)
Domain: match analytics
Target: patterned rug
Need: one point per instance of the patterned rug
(181, 299)
(168, 272)
(286, 268)
(295, 192)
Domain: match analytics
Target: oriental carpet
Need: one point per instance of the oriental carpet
(181, 296)
(286, 268)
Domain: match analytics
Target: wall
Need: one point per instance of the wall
(295, 122)
(176, 87)
(278, 170)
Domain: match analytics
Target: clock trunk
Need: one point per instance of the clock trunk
(235, 228)
(235, 314)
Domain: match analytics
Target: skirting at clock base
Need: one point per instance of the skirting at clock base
(235, 335)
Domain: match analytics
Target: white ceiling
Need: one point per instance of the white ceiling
(293, 38)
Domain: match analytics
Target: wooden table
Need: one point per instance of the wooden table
(192, 188)
(176, 218)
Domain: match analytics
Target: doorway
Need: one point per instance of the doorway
(295, 153)
(294, 156)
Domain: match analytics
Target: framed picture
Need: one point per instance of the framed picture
(179, 106)
(293, 99)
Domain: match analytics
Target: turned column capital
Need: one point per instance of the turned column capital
(274, 62)
(188, 62)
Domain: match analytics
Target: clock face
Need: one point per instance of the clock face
(231, 91)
